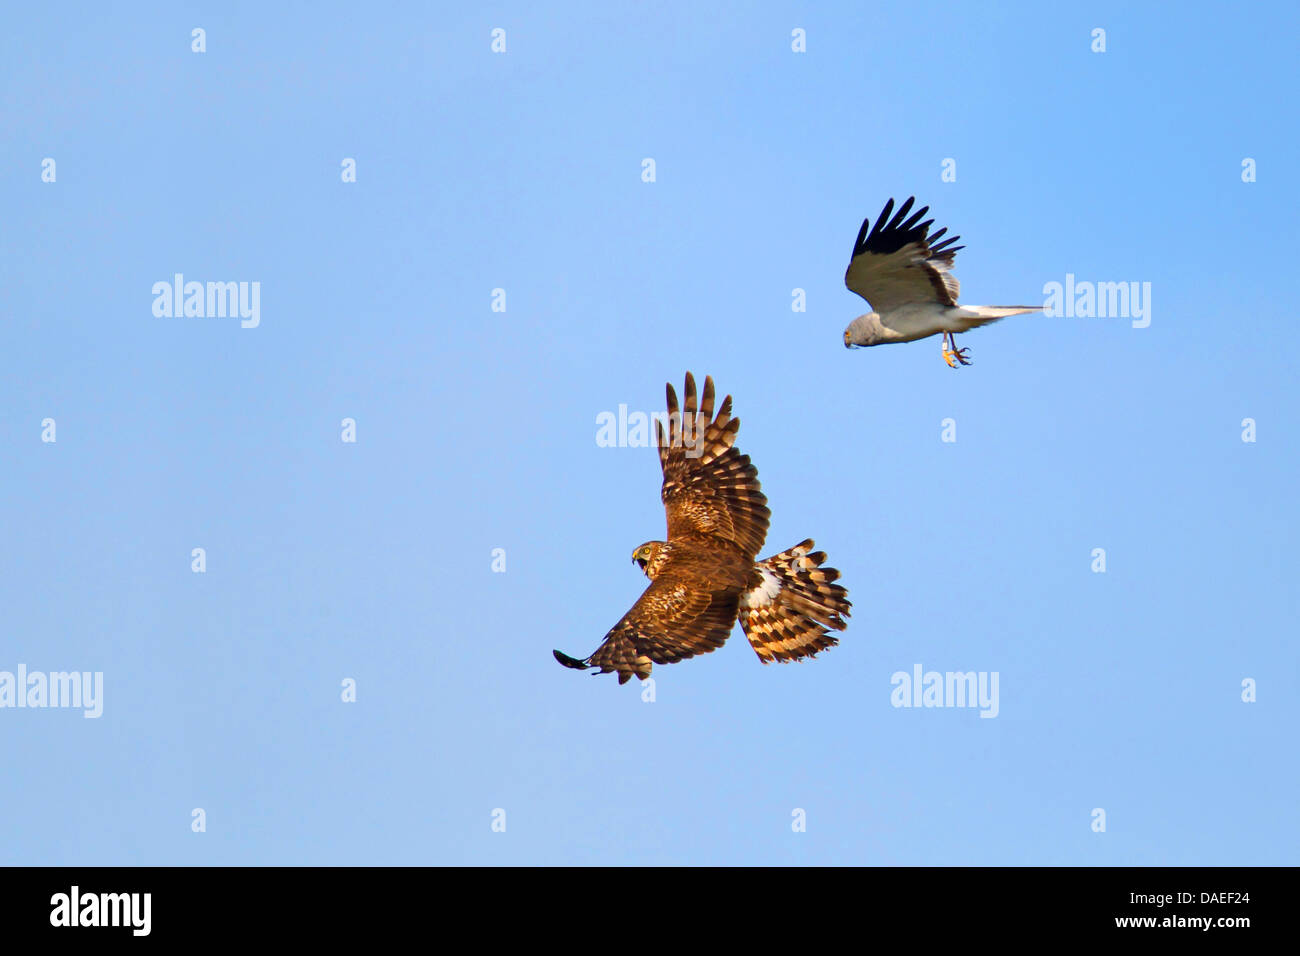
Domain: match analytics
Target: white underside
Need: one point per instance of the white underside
(921, 319)
(917, 320)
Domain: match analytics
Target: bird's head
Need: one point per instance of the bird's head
(863, 331)
(649, 557)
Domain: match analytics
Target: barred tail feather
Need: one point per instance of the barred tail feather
(791, 603)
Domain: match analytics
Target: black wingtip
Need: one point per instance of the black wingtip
(893, 230)
(568, 661)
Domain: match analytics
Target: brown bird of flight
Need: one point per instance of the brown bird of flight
(706, 576)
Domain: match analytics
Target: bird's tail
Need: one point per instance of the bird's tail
(790, 604)
(973, 316)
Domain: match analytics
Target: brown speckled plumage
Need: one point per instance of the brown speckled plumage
(704, 577)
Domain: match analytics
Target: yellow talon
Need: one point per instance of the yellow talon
(954, 356)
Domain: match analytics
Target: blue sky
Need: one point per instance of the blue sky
(372, 561)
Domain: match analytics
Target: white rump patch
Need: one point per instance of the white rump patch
(765, 594)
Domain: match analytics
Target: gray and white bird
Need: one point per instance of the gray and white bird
(904, 274)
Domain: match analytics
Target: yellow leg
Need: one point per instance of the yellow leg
(949, 355)
(953, 355)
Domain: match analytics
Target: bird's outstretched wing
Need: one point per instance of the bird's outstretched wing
(898, 262)
(711, 491)
(678, 616)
